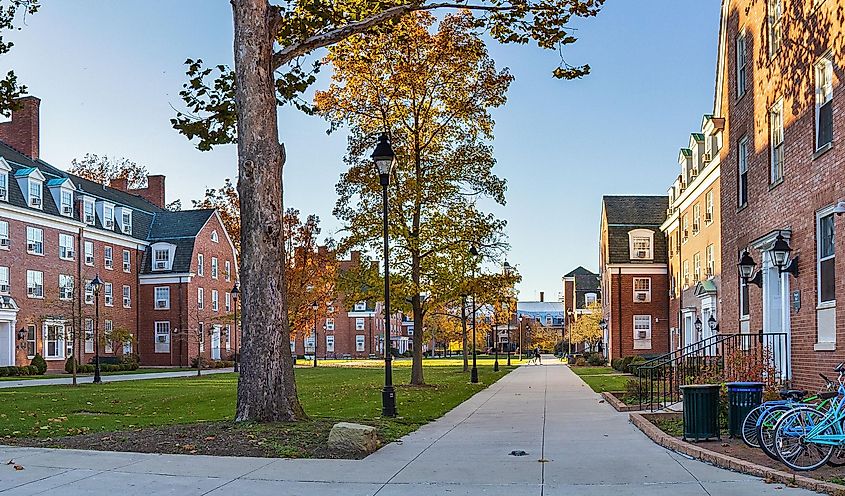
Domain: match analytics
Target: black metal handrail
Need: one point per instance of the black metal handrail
(720, 358)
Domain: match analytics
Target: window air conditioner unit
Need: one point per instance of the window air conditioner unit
(708, 217)
(161, 265)
(89, 259)
(2, 193)
(642, 296)
(67, 210)
(127, 228)
(669, 212)
(35, 202)
(89, 219)
(708, 272)
(126, 267)
(69, 254)
(108, 224)
(693, 173)
(31, 246)
(4, 288)
(30, 291)
(707, 158)
(641, 254)
(4, 241)
(161, 304)
(642, 334)
(695, 228)
(161, 339)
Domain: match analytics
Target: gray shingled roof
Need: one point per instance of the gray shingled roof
(180, 224)
(579, 271)
(636, 210)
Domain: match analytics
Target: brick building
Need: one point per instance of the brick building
(693, 232)
(634, 275)
(166, 275)
(581, 289)
(779, 89)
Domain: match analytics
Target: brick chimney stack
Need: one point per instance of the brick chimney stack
(153, 193)
(542, 296)
(120, 183)
(21, 133)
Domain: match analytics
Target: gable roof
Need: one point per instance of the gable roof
(579, 271)
(178, 224)
(635, 210)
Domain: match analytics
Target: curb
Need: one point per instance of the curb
(732, 463)
(618, 404)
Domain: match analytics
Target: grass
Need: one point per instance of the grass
(602, 379)
(122, 372)
(327, 392)
(593, 370)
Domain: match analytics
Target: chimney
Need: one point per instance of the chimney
(355, 256)
(542, 296)
(154, 192)
(21, 133)
(120, 183)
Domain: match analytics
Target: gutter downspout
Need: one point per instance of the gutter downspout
(619, 306)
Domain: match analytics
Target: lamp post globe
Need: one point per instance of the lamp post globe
(236, 292)
(781, 252)
(385, 159)
(96, 283)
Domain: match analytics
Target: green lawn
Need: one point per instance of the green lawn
(141, 370)
(602, 379)
(347, 393)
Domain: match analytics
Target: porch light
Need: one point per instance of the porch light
(603, 324)
(21, 334)
(711, 322)
(781, 252)
(746, 266)
(698, 324)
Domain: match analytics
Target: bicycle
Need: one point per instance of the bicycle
(807, 438)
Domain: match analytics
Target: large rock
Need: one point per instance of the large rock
(349, 437)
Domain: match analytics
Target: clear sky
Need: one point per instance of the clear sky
(108, 72)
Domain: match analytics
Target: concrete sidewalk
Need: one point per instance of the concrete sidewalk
(575, 446)
(107, 378)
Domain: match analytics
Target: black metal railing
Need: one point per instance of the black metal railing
(720, 358)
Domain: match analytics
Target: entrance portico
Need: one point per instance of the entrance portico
(8, 326)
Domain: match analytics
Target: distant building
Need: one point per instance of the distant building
(547, 315)
(581, 289)
(634, 275)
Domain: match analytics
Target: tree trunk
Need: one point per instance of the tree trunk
(416, 306)
(464, 332)
(266, 387)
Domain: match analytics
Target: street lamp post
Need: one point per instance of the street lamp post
(520, 338)
(495, 343)
(385, 159)
(473, 374)
(314, 307)
(235, 293)
(571, 318)
(95, 284)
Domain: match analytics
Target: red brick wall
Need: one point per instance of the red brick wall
(21, 133)
(811, 181)
(622, 308)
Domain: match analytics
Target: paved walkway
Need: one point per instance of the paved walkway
(107, 378)
(575, 446)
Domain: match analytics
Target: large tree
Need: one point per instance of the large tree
(240, 105)
(12, 14)
(102, 169)
(431, 92)
(228, 204)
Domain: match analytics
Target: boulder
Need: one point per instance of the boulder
(349, 437)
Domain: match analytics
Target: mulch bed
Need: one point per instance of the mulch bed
(673, 424)
(305, 439)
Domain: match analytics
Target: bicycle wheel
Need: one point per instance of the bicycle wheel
(765, 429)
(749, 426)
(837, 459)
(791, 445)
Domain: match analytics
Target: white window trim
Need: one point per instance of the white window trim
(742, 168)
(34, 241)
(156, 335)
(819, 215)
(741, 63)
(776, 109)
(34, 280)
(5, 235)
(824, 64)
(644, 292)
(641, 233)
(127, 296)
(156, 299)
(69, 253)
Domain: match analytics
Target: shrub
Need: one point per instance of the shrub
(615, 363)
(12, 371)
(33, 370)
(635, 363)
(4, 372)
(633, 392)
(625, 362)
(408, 354)
(23, 370)
(69, 365)
(39, 363)
(596, 360)
(580, 362)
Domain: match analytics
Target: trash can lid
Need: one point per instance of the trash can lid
(700, 386)
(745, 384)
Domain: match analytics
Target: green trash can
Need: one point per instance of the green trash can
(701, 412)
(742, 398)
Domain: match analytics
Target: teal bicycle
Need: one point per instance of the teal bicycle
(806, 438)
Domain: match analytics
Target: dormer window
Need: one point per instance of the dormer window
(163, 255)
(125, 220)
(88, 211)
(31, 182)
(35, 194)
(360, 306)
(108, 217)
(62, 191)
(4, 179)
(66, 207)
(641, 244)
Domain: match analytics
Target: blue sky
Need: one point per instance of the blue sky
(108, 73)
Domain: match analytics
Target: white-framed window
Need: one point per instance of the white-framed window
(359, 342)
(214, 267)
(127, 261)
(696, 266)
(360, 306)
(4, 181)
(65, 246)
(201, 335)
(228, 332)
(127, 346)
(66, 200)
(89, 335)
(108, 330)
(826, 259)
(200, 298)
(710, 260)
(824, 101)
(329, 324)
(228, 269)
(590, 298)
(685, 265)
(30, 341)
(214, 237)
(4, 235)
(108, 257)
(35, 193)
(34, 284)
(744, 302)
(127, 296)
(776, 139)
(228, 299)
(161, 259)
(65, 287)
(34, 240)
(200, 265)
(162, 336)
(162, 298)
(126, 221)
(696, 218)
(741, 65)
(89, 252)
(709, 207)
(89, 293)
(108, 216)
(88, 211)
(642, 289)
(684, 228)
(54, 341)
(5, 288)
(549, 320)
(742, 166)
(329, 343)
(775, 13)
(108, 292)
(359, 323)
(215, 306)
(641, 244)
(642, 332)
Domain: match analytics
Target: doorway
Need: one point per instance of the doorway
(215, 342)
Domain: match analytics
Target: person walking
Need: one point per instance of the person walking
(537, 356)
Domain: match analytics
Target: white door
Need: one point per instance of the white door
(776, 313)
(7, 345)
(690, 334)
(215, 343)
